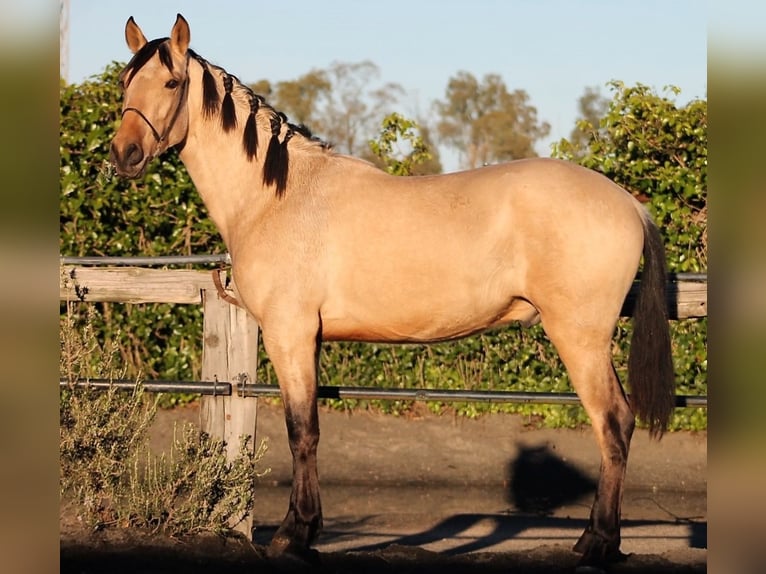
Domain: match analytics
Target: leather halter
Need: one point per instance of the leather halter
(157, 137)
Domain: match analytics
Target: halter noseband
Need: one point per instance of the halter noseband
(157, 137)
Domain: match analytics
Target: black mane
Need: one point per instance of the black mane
(276, 162)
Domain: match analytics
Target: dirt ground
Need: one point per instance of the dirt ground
(429, 493)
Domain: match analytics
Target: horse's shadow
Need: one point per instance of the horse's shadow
(540, 483)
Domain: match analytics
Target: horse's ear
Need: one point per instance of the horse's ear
(180, 36)
(134, 36)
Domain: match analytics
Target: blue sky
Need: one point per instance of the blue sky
(552, 49)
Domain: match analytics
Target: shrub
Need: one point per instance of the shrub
(107, 472)
(657, 150)
(158, 214)
(645, 142)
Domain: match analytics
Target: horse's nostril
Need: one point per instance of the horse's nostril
(133, 154)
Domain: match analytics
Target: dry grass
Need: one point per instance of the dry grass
(107, 472)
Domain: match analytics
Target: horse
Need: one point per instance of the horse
(327, 247)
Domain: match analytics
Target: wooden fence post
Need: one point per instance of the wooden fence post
(230, 353)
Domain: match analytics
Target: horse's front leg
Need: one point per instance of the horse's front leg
(295, 358)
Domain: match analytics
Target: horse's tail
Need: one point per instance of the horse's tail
(650, 365)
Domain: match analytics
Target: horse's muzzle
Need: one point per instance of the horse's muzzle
(128, 160)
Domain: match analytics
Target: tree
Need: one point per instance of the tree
(592, 107)
(657, 151)
(341, 105)
(160, 213)
(433, 164)
(263, 88)
(396, 130)
(354, 109)
(485, 122)
(301, 99)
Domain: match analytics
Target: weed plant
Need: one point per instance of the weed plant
(109, 476)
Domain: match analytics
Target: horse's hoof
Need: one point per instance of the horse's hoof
(597, 551)
(290, 556)
(595, 563)
(278, 546)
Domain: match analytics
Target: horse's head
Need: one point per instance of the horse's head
(155, 85)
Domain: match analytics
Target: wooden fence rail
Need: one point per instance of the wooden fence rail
(686, 298)
(229, 345)
(230, 337)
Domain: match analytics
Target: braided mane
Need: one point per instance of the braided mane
(276, 161)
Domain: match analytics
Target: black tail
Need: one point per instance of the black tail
(650, 365)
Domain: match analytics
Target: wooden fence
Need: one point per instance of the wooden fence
(230, 339)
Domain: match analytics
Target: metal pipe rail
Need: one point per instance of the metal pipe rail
(217, 388)
(209, 388)
(148, 261)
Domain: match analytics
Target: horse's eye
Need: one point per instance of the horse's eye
(171, 84)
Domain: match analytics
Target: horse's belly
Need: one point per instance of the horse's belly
(414, 324)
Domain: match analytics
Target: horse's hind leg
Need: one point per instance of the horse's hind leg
(586, 355)
(295, 362)
(613, 426)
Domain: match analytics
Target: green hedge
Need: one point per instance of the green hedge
(654, 148)
(159, 214)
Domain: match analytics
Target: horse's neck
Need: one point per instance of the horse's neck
(218, 188)
(230, 185)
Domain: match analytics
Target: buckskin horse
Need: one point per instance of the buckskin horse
(327, 247)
